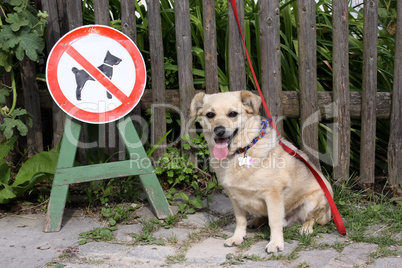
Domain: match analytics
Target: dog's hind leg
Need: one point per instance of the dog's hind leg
(314, 209)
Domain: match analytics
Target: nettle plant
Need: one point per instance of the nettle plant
(22, 30)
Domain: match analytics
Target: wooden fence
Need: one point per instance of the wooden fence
(367, 105)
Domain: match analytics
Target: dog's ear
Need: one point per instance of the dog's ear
(196, 104)
(251, 101)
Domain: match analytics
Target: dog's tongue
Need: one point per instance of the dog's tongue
(221, 149)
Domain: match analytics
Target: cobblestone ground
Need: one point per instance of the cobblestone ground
(194, 242)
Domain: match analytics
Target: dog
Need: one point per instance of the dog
(259, 177)
(81, 76)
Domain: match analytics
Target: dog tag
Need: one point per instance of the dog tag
(245, 161)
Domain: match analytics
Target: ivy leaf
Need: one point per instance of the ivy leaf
(22, 128)
(9, 124)
(17, 20)
(19, 53)
(8, 39)
(3, 94)
(7, 127)
(19, 112)
(17, 2)
(5, 61)
(32, 45)
(19, 5)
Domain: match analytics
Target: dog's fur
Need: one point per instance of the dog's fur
(276, 184)
(81, 76)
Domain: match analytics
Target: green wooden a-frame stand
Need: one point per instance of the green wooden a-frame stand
(66, 173)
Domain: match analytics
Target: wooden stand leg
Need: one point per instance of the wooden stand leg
(55, 208)
(150, 182)
(59, 192)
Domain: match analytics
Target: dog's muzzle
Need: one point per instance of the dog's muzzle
(222, 142)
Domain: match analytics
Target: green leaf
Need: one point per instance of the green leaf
(9, 124)
(34, 169)
(4, 93)
(17, 2)
(112, 222)
(22, 128)
(6, 147)
(32, 45)
(7, 127)
(5, 61)
(8, 39)
(186, 146)
(19, 53)
(5, 172)
(186, 137)
(382, 12)
(6, 194)
(17, 20)
(197, 202)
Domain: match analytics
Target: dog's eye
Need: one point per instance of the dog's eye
(210, 115)
(232, 114)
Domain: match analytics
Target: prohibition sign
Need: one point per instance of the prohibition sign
(96, 74)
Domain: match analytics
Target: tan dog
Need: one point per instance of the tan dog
(263, 180)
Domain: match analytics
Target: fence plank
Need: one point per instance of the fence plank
(63, 16)
(74, 20)
(341, 89)
(184, 61)
(101, 9)
(74, 14)
(158, 76)
(128, 19)
(210, 47)
(32, 105)
(237, 70)
(368, 134)
(306, 32)
(129, 27)
(395, 141)
(106, 132)
(271, 81)
(54, 34)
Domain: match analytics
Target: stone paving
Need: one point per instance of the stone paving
(194, 242)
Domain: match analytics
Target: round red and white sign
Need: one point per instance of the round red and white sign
(96, 74)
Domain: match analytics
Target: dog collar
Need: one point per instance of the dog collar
(263, 130)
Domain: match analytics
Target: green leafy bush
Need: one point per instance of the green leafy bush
(22, 31)
(36, 169)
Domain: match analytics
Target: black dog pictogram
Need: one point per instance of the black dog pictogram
(81, 76)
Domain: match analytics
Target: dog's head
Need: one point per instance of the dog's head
(111, 59)
(223, 116)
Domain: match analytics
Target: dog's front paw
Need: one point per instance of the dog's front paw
(273, 247)
(233, 241)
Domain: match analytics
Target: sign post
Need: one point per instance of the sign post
(97, 75)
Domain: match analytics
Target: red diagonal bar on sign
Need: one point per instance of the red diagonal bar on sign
(95, 73)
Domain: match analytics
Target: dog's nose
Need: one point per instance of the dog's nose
(219, 131)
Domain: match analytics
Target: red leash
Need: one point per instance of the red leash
(335, 213)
